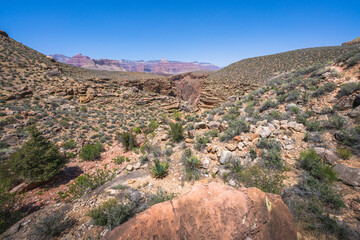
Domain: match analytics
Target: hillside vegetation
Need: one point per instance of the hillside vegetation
(258, 70)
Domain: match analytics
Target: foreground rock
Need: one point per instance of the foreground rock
(213, 211)
(348, 175)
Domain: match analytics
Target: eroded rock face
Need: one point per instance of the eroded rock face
(213, 211)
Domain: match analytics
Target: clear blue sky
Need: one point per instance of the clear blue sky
(220, 32)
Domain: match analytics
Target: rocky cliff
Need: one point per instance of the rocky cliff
(154, 66)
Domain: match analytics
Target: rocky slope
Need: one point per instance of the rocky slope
(155, 66)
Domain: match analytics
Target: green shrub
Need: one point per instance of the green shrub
(236, 127)
(344, 153)
(267, 105)
(313, 126)
(86, 183)
(264, 179)
(311, 162)
(161, 196)
(51, 226)
(91, 152)
(8, 212)
(326, 88)
(201, 142)
(314, 187)
(335, 122)
(192, 168)
(128, 140)
(38, 159)
(292, 96)
(176, 132)
(70, 144)
(302, 117)
(348, 89)
(137, 130)
(119, 160)
(159, 169)
(350, 137)
(153, 125)
(112, 214)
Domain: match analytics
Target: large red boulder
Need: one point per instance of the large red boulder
(213, 211)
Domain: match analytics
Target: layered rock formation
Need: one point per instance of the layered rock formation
(154, 66)
(213, 211)
(352, 42)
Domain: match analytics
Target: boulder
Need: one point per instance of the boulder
(213, 125)
(356, 102)
(225, 157)
(348, 175)
(328, 155)
(264, 132)
(213, 211)
(200, 125)
(355, 113)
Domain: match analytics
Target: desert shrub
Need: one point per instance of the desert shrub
(353, 60)
(70, 144)
(344, 153)
(159, 169)
(313, 125)
(152, 126)
(236, 127)
(312, 137)
(201, 142)
(161, 196)
(51, 226)
(324, 89)
(267, 105)
(38, 159)
(292, 96)
(310, 161)
(259, 177)
(91, 151)
(212, 133)
(302, 117)
(350, 137)
(86, 183)
(137, 130)
(314, 187)
(176, 132)
(348, 88)
(274, 115)
(269, 144)
(119, 160)
(128, 140)
(111, 213)
(192, 168)
(168, 151)
(335, 122)
(177, 115)
(155, 150)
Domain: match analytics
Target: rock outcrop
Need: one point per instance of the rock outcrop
(352, 42)
(213, 211)
(2, 33)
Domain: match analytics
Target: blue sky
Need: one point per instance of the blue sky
(220, 32)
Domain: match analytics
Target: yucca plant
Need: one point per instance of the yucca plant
(159, 169)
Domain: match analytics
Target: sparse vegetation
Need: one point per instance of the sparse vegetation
(176, 132)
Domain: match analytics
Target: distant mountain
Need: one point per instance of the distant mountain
(353, 42)
(162, 66)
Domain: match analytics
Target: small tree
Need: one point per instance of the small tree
(38, 159)
(176, 132)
